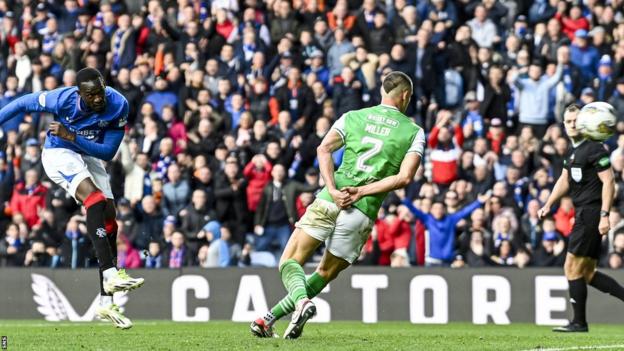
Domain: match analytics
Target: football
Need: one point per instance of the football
(596, 121)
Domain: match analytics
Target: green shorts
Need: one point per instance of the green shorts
(344, 231)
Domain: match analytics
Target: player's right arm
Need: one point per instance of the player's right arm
(561, 188)
(332, 141)
(43, 101)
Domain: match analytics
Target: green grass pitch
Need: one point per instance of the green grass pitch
(152, 335)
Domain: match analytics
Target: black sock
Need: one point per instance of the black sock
(578, 298)
(112, 242)
(607, 285)
(95, 204)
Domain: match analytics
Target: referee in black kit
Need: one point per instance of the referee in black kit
(588, 176)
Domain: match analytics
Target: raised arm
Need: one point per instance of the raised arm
(467, 210)
(415, 211)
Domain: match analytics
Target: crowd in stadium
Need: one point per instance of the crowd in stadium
(229, 100)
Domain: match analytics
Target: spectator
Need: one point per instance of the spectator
(194, 217)
(231, 199)
(12, 248)
(348, 93)
(446, 139)
(154, 257)
(564, 216)
(533, 104)
(276, 212)
(441, 228)
(176, 192)
(584, 56)
(177, 254)
(28, 198)
(551, 252)
(258, 173)
(149, 223)
(76, 247)
(476, 253)
(127, 256)
(484, 31)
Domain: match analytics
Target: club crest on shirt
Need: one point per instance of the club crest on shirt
(577, 174)
(102, 123)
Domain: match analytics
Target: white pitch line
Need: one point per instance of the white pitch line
(66, 324)
(597, 347)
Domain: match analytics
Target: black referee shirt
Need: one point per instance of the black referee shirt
(583, 164)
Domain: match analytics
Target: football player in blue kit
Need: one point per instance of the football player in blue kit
(88, 127)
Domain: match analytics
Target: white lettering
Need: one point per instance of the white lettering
(249, 289)
(545, 303)
(179, 288)
(377, 130)
(369, 283)
(439, 288)
(497, 309)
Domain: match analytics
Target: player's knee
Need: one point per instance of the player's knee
(85, 189)
(328, 274)
(94, 198)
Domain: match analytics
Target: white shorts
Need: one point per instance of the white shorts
(68, 168)
(349, 229)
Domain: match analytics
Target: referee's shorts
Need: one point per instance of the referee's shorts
(585, 239)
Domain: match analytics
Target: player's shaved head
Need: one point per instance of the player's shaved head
(91, 88)
(88, 75)
(397, 88)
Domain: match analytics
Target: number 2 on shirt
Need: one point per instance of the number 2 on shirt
(361, 161)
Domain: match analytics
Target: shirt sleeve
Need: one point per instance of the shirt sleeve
(340, 126)
(45, 101)
(599, 158)
(122, 118)
(418, 144)
(105, 150)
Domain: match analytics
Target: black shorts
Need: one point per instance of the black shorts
(585, 239)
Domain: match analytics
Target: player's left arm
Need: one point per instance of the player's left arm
(408, 169)
(600, 160)
(608, 189)
(105, 150)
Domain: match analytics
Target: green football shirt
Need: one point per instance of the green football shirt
(376, 139)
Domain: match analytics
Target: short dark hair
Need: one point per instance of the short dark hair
(572, 108)
(88, 75)
(396, 79)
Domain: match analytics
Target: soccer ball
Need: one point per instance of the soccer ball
(596, 121)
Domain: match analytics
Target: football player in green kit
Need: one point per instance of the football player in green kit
(383, 150)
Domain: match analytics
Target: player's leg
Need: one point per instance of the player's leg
(574, 269)
(298, 250)
(582, 244)
(314, 227)
(604, 283)
(108, 310)
(111, 231)
(94, 192)
(350, 234)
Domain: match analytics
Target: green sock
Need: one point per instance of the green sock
(294, 279)
(314, 285)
